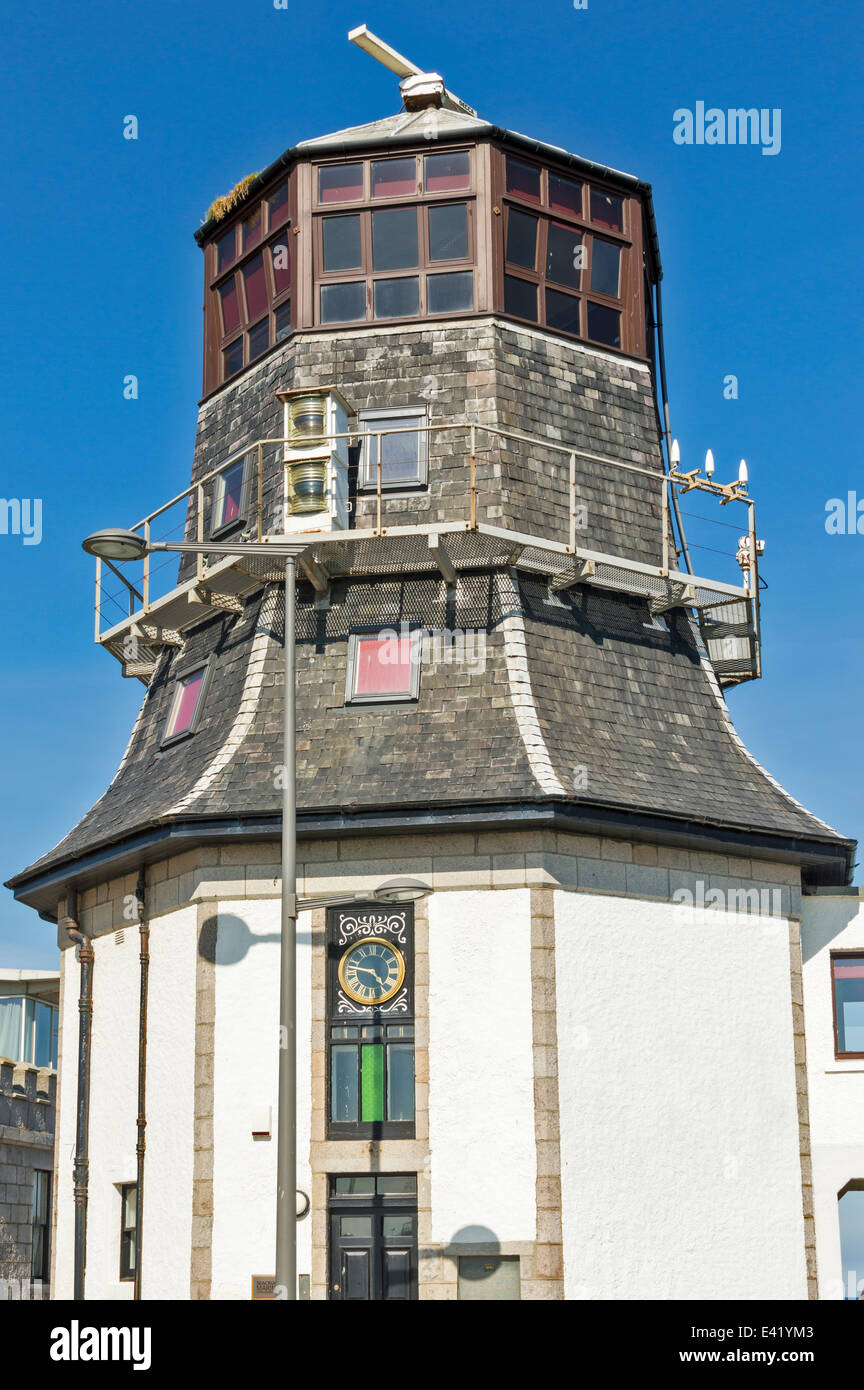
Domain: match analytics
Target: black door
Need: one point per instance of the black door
(373, 1252)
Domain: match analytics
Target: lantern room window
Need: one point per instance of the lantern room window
(277, 205)
(394, 178)
(397, 249)
(558, 272)
(184, 712)
(383, 666)
(248, 305)
(523, 179)
(340, 183)
(607, 209)
(445, 172)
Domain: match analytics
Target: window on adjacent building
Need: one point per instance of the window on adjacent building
(41, 1223)
(28, 1031)
(415, 257)
(557, 272)
(403, 447)
(128, 1230)
(371, 1023)
(382, 666)
(848, 982)
(185, 709)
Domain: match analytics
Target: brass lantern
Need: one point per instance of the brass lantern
(307, 485)
(308, 414)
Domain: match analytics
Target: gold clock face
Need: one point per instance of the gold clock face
(371, 971)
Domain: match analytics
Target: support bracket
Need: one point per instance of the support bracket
(443, 561)
(584, 570)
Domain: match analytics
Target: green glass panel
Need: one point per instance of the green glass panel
(372, 1083)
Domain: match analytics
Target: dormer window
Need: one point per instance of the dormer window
(230, 497)
(403, 448)
(184, 711)
(383, 666)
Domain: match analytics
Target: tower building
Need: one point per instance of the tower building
(574, 1069)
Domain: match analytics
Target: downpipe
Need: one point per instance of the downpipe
(141, 1145)
(81, 1169)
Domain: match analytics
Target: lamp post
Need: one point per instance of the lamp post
(118, 545)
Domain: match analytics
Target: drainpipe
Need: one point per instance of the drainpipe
(140, 1148)
(81, 1170)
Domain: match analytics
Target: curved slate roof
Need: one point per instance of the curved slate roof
(582, 680)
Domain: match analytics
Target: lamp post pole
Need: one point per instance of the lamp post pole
(286, 1154)
(114, 544)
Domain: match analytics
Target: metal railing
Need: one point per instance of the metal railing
(185, 515)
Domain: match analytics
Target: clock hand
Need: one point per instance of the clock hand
(361, 970)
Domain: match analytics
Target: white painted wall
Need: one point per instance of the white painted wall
(836, 1087)
(481, 1089)
(680, 1157)
(170, 1105)
(114, 1109)
(113, 1105)
(245, 1081)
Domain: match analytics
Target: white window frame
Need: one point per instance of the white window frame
(367, 480)
(381, 697)
(28, 1056)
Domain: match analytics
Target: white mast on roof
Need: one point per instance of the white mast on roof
(403, 67)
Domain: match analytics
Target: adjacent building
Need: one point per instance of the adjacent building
(28, 1084)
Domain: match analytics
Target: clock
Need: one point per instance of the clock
(371, 971)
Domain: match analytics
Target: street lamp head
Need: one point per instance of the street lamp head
(114, 544)
(401, 890)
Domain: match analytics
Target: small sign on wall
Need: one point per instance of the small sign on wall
(264, 1287)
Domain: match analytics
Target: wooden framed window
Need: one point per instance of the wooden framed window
(248, 303)
(393, 238)
(370, 986)
(570, 262)
(128, 1229)
(847, 985)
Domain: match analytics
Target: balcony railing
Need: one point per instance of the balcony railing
(496, 496)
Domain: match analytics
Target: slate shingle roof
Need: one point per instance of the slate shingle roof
(622, 695)
(586, 679)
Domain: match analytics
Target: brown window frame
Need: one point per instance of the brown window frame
(838, 1055)
(365, 207)
(217, 341)
(627, 303)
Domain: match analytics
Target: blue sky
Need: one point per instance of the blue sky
(103, 279)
